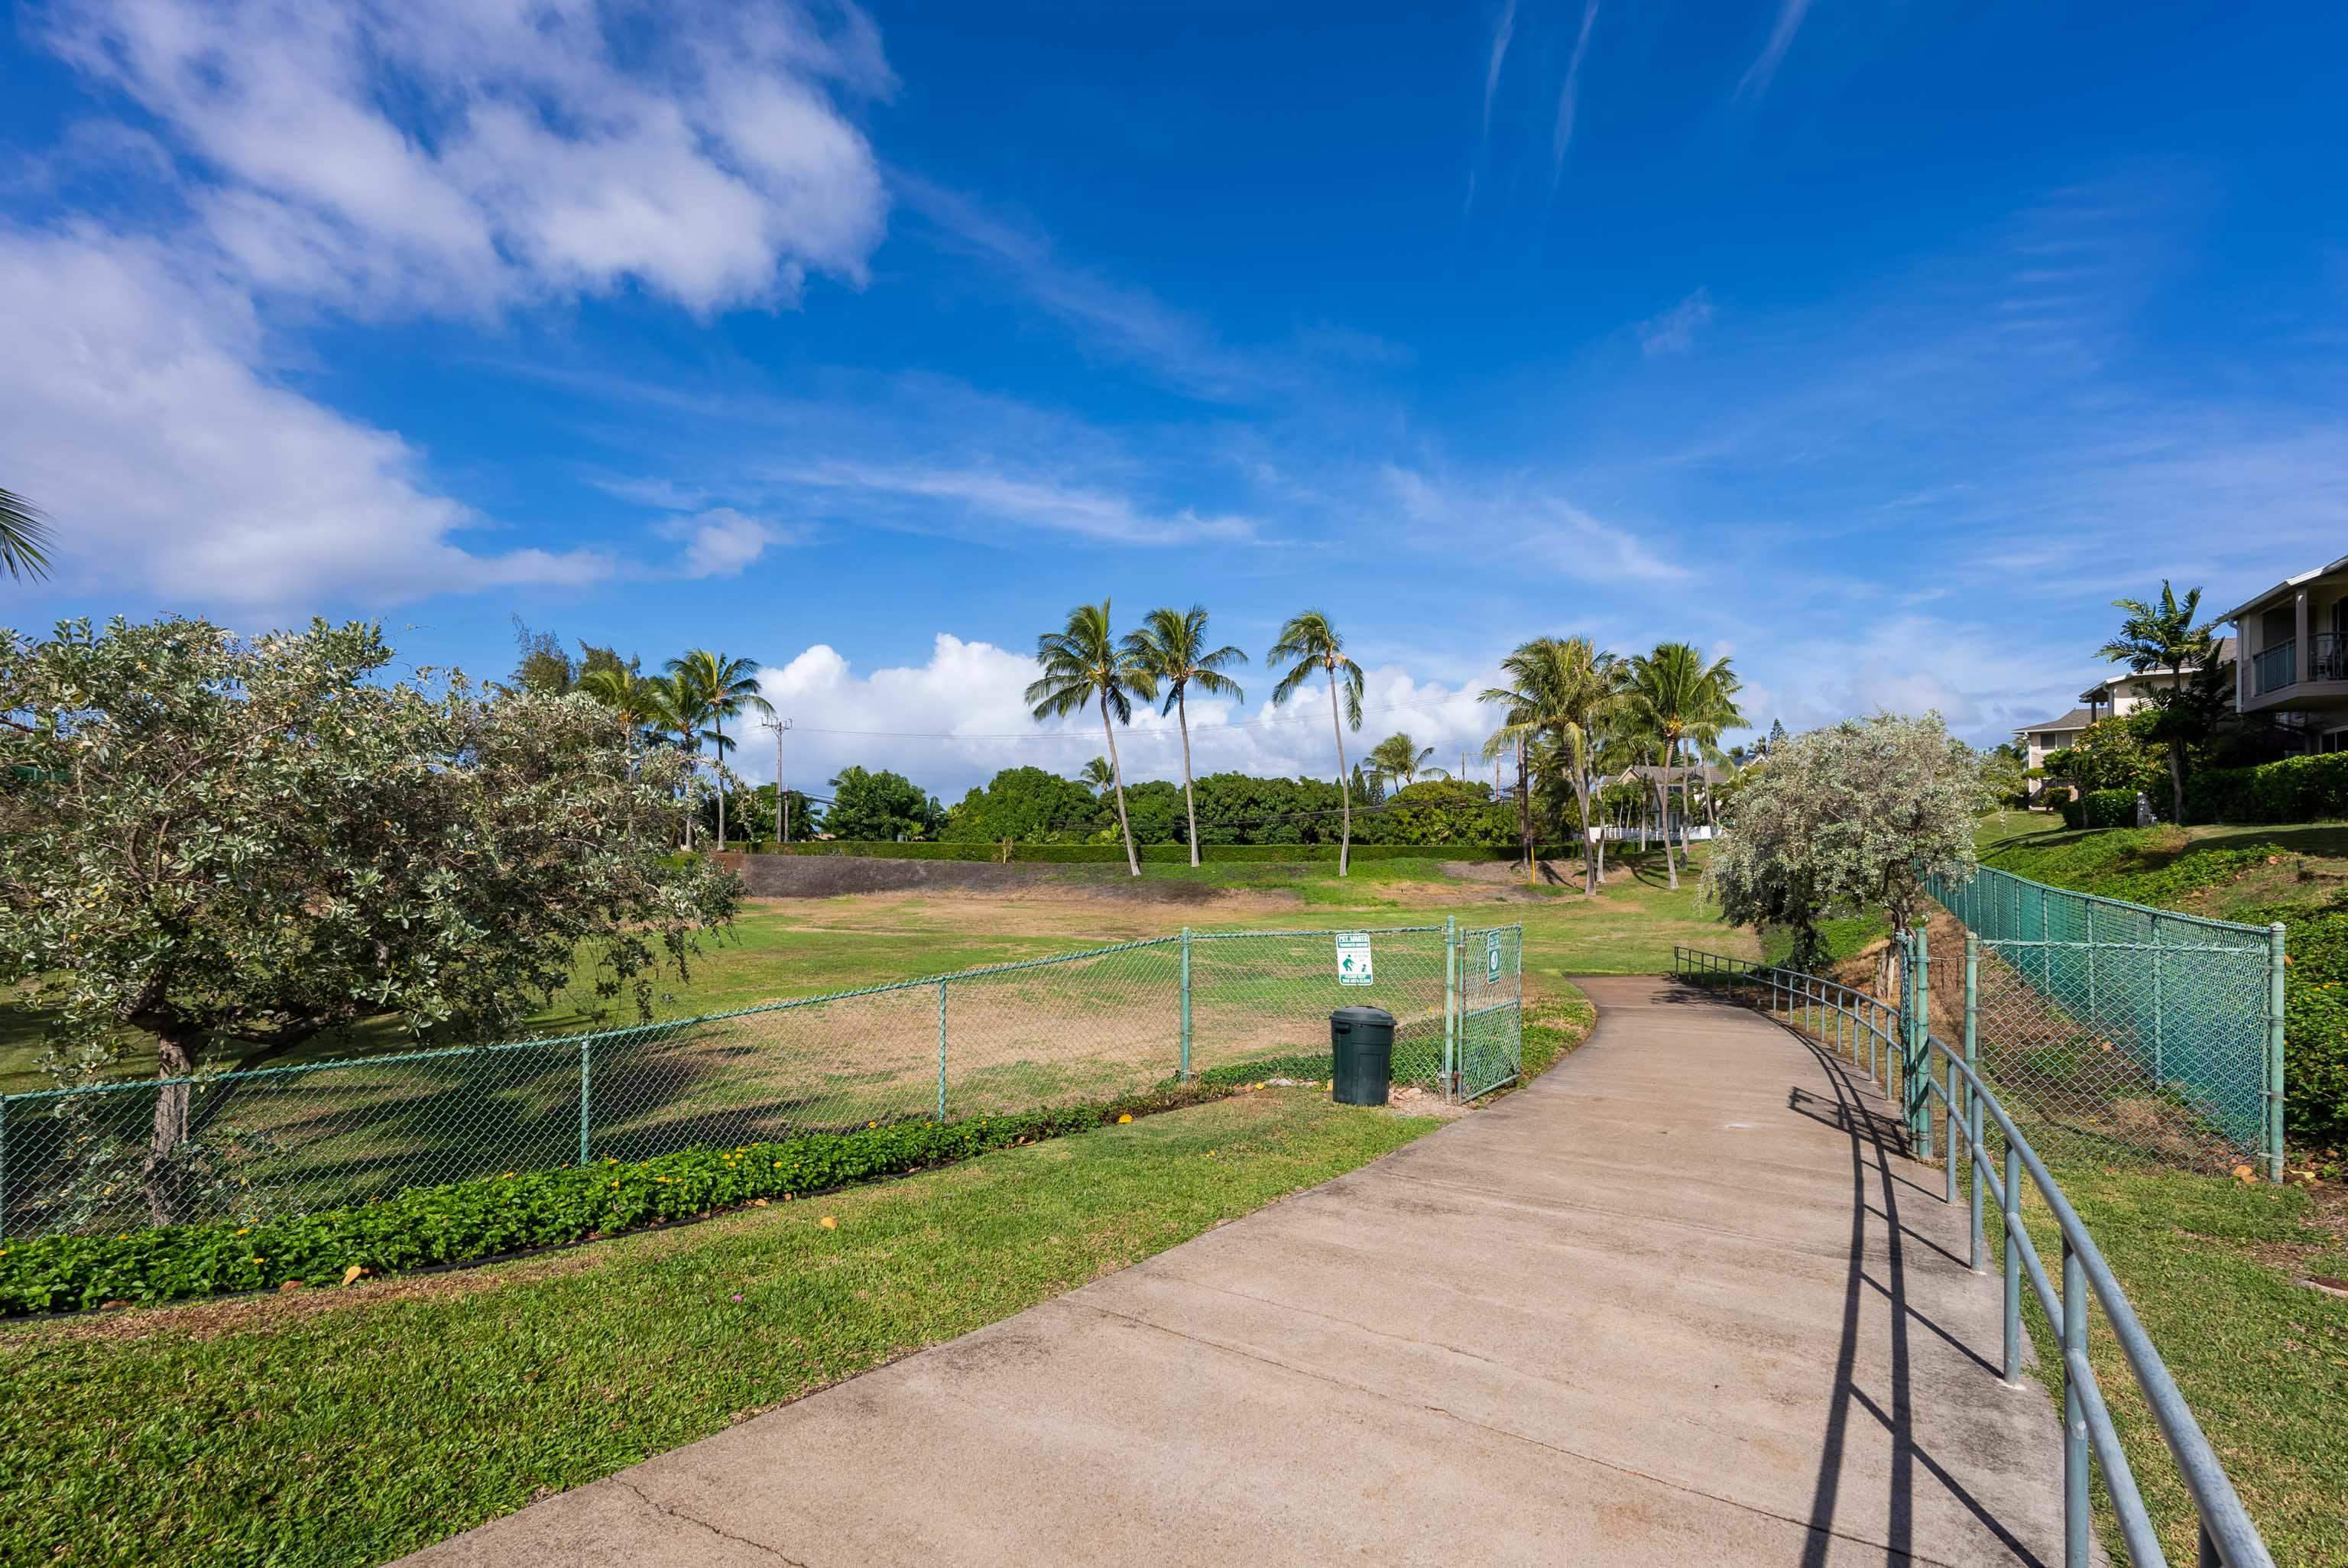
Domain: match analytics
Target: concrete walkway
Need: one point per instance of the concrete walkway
(1671, 1305)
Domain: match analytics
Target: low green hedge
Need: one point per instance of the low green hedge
(1154, 853)
(2296, 789)
(466, 1221)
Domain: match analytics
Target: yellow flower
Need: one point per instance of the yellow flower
(1124, 1119)
(828, 1224)
(509, 1176)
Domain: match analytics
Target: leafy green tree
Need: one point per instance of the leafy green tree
(2006, 773)
(1679, 703)
(1028, 806)
(1845, 819)
(23, 537)
(722, 688)
(1082, 665)
(1399, 760)
(1309, 645)
(234, 845)
(2118, 751)
(1172, 647)
(2164, 636)
(881, 807)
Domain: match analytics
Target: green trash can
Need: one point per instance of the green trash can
(1361, 1049)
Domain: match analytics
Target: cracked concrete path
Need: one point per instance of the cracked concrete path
(1673, 1304)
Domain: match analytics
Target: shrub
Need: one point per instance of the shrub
(2296, 789)
(2109, 808)
(468, 1221)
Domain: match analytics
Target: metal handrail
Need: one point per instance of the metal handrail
(2228, 1537)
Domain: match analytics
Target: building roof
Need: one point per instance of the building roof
(1648, 772)
(2102, 691)
(2077, 719)
(2290, 582)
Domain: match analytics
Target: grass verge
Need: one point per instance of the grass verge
(2213, 1268)
(352, 1428)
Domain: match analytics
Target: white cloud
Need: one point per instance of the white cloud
(1674, 332)
(973, 694)
(1757, 75)
(1569, 96)
(170, 460)
(443, 155)
(1030, 501)
(1540, 521)
(719, 542)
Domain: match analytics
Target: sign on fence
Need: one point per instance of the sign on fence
(1352, 957)
(1492, 958)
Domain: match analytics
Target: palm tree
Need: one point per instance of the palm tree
(1082, 665)
(1097, 776)
(727, 688)
(1676, 700)
(1400, 757)
(2163, 637)
(634, 700)
(23, 537)
(1565, 692)
(1172, 646)
(1314, 645)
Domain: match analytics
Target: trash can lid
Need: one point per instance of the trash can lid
(1360, 1015)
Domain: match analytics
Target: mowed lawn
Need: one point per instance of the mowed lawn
(785, 949)
(351, 1426)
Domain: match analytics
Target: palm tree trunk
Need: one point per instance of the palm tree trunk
(1524, 811)
(1664, 815)
(1190, 800)
(1344, 785)
(1116, 772)
(2177, 779)
(721, 783)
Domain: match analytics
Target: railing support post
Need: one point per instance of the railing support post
(1972, 1100)
(2012, 1216)
(1450, 1007)
(941, 1051)
(2075, 1515)
(1186, 1005)
(2275, 967)
(1916, 1069)
(586, 1099)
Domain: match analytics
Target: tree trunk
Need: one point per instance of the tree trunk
(1663, 820)
(1117, 773)
(165, 1174)
(1524, 810)
(1189, 799)
(1344, 785)
(721, 782)
(2177, 779)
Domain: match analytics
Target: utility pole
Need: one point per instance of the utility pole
(782, 796)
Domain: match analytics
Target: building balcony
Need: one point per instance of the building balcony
(2275, 668)
(2280, 680)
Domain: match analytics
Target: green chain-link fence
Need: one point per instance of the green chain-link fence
(1013, 1037)
(2118, 1028)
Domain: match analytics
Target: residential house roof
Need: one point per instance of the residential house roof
(2077, 719)
(2102, 691)
(2290, 582)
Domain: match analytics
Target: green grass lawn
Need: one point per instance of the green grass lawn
(351, 1428)
(2212, 1267)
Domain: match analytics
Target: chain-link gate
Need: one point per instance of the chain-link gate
(2118, 1028)
(1227, 1007)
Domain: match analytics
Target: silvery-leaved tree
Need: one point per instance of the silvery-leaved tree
(218, 847)
(1845, 819)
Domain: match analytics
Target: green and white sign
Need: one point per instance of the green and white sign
(1352, 957)
(1492, 958)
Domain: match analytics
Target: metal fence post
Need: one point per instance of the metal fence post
(2275, 967)
(2012, 1216)
(4, 1167)
(2075, 1516)
(1972, 1100)
(941, 1051)
(2159, 1074)
(1450, 1007)
(1917, 1070)
(586, 1098)
(1186, 1004)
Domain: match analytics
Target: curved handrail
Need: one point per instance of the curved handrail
(2227, 1535)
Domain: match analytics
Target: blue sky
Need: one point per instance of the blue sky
(1875, 345)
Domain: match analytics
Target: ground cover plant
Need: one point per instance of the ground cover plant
(350, 1426)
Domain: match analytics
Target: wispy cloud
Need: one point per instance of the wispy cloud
(720, 542)
(1031, 501)
(1123, 323)
(1553, 529)
(1673, 331)
(1757, 75)
(1569, 96)
(1503, 31)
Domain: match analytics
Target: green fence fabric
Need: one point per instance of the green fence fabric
(2123, 1026)
(1080, 1027)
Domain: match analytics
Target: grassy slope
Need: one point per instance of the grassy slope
(2213, 1267)
(293, 1431)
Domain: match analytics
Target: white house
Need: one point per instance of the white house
(2116, 697)
(2295, 662)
